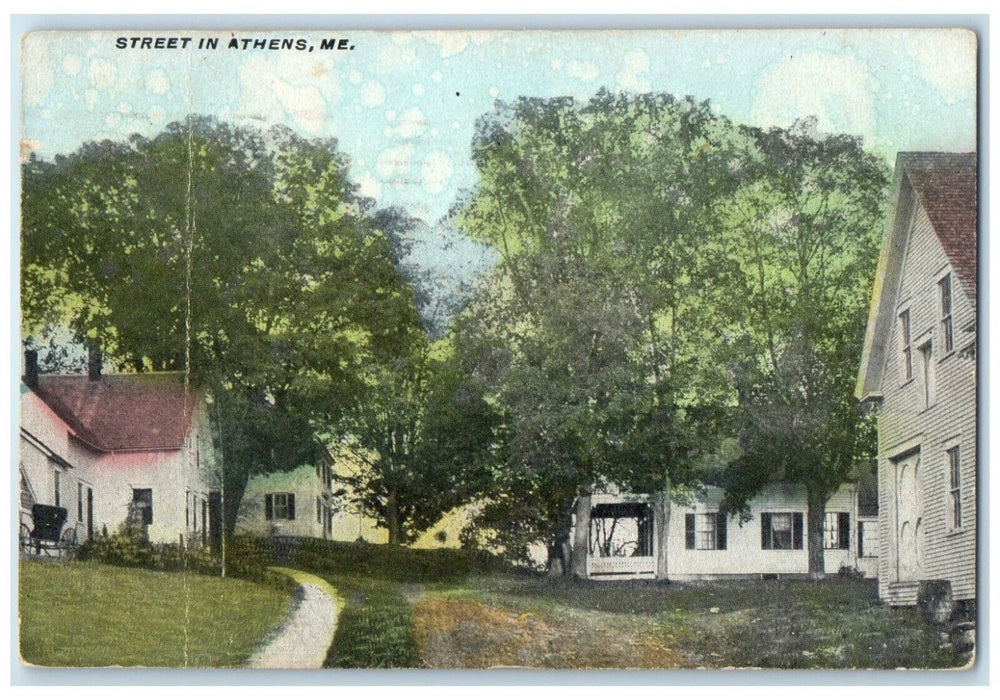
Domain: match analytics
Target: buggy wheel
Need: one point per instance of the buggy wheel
(67, 544)
(24, 539)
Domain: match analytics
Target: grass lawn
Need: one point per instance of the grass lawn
(441, 609)
(518, 621)
(87, 614)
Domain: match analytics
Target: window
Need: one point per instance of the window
(955, 486)
(705, 531)
(837, 531)
(904, 339)
(56, 475)
(927, 373)
(187, 509)
(279, 506)
(142, 500)
(79, 500)
(319, 510)
(947, 334)
(781, 530)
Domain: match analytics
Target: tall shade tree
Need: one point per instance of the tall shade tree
(422, 437)
(796, 262)
(244, 257)
(593, 331)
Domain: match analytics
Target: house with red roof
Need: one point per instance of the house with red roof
(111, 447)
(918, 372)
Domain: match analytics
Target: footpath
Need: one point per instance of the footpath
(304, 638)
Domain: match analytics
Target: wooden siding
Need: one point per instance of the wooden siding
(744, 555)
(905, 424)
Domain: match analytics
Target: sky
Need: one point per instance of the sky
(403, 106)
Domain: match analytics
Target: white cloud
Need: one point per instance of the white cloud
(494, 91)
(355, 77)
(370, 187)
(587, 72)
(436, 76)
(418, 90)
(157, 82)
(283, 90)
(437, 172)
(372, 94)
(630, 78)
(36, 69)
(947, 60)
(835, 89)
(394, 162)
(556, 64)
(156, 115)
(411, 123)
(101, 73)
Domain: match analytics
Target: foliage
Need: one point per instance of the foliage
(796, 265)
(422, 437)
(244, 257)
(89, 614)
(247, 557)
(592, 335)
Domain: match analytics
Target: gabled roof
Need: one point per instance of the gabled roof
(945, 185)
(123, 412)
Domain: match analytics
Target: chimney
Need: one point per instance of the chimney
(31, 368)
(94, 361)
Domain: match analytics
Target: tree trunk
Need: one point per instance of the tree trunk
(556, 564)
(392, 519)
(581, 538)
(661, 522)
(814, 525)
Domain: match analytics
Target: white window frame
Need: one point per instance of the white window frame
(953, 482)
(905, 330)
(946, 314)
(282, 514)
(706, 530)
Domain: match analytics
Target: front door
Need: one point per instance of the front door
(909, 535)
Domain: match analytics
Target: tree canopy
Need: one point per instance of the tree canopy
(242, 256)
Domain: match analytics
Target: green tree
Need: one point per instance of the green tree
(422, 436)
(244, 257)
(600, 212)
(796, 265)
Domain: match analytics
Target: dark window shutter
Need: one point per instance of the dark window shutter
(689, 530)
(796, 530)
(765, 530)
(861, 536)
(720, 529)
(844, 529)
(268, 506)
(291, 506)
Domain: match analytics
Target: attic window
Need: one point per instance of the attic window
(904, 340)
(947, 333)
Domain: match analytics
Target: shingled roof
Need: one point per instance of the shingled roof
(945, 184)
(122, 412)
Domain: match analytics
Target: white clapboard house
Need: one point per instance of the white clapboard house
(620, 536)
(110, 447)
(918, 371)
